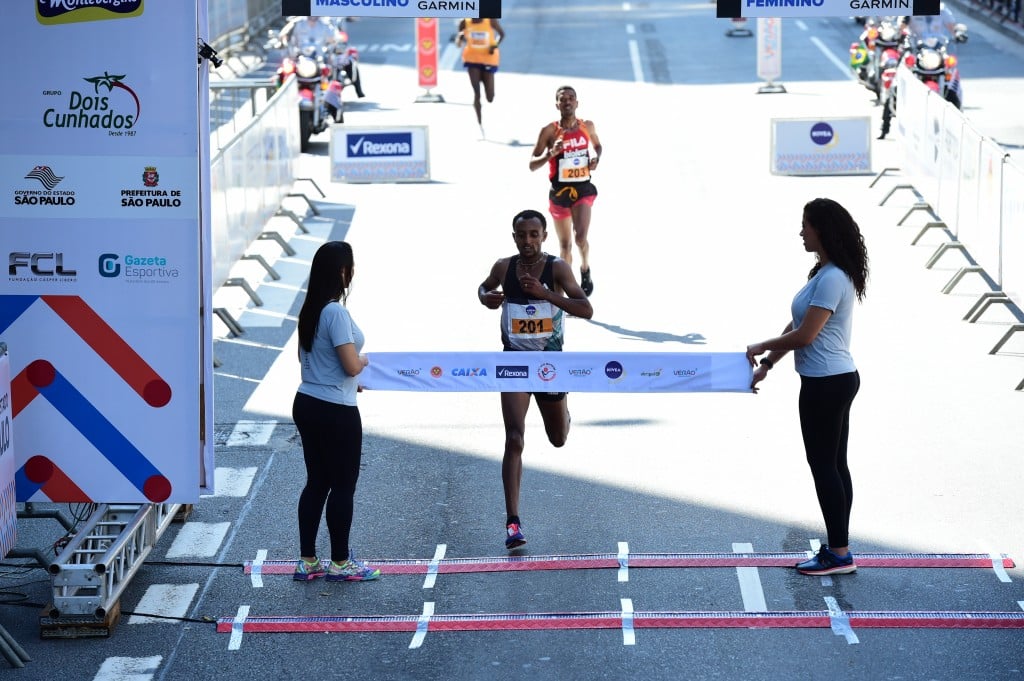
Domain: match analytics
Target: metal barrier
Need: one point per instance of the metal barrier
(241, 25)
(972, 191)
(249, 177)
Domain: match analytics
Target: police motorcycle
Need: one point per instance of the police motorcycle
(862, 54)
(344, 61)
(934, 65)
(877, 53)
(930, 60)
(317, 110)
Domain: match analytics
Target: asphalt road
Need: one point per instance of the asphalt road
(695, 247)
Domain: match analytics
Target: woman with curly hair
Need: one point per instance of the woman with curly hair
(819, 336)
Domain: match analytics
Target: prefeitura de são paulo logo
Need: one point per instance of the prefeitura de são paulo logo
(109, 105)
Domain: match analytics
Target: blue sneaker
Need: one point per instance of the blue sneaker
(514, 536)
(827, 563)
(351, 570)
(305, 572)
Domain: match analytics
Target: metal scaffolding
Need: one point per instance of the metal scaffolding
(96, 565)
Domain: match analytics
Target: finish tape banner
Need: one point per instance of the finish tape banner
(619, 372)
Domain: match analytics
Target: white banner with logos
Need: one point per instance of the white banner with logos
(623, 372)
(816, 146)
(101, 305)
(379, 153)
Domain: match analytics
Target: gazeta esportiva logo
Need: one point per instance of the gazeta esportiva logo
(50, 12)
(107, 103)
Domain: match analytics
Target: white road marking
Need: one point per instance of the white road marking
(169, 601)
(421, 625)
(428, 583)
(237, 628)
(750, 582)
(199, 540)
(251, 432)
(128, 668)
(628, 634)
(634, 58)
(232, 482)
(843, 68)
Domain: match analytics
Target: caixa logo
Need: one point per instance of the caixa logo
(39, 264)
(108, 265)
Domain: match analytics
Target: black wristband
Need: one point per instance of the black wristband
(765, 362)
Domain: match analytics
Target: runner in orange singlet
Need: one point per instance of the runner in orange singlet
(571, 149)
(479, 39)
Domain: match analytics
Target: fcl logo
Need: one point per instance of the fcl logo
(150, 177)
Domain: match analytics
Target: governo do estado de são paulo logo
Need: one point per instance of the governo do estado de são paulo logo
(109, 104)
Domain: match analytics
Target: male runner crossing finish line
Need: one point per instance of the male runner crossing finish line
(536, 290)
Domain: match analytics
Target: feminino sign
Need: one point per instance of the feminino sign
(749, 9)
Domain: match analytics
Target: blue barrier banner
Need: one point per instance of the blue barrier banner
(620, 372)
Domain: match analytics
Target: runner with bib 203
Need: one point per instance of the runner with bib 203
(571, 149)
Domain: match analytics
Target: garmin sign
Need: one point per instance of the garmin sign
(751, 9)
(379, 154)
(436, 9)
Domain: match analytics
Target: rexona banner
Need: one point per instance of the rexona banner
(379, 153)
(730, 9)
(438, 9)
(100, 300)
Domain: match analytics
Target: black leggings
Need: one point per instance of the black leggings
(332, 443)
(825, 424)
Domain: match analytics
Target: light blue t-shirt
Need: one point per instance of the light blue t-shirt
(829, 353)
(323, 376)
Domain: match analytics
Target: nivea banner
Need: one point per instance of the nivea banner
(623, 372)
(100, 303)
(821, 146)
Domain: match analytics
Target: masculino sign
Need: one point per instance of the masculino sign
(439, 9)
(734, 9)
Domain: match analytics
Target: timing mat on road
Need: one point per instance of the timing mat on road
(647, 560)
(927, 619)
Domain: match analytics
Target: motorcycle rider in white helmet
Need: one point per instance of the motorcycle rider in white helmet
(301, 31)
(943, 24)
